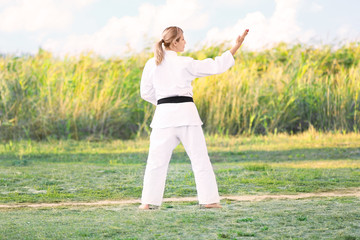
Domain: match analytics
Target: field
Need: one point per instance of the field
(283, 121)
(336, 218)
(285, 89)
(83, 171)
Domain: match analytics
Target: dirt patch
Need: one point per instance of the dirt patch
(351, 192)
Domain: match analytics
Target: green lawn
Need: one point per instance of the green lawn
(88, 171)
(336, 218)
(62, 171)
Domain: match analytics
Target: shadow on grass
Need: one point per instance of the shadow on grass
(181, 156)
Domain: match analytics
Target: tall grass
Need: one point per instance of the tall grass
(88, 96)
(283, 89)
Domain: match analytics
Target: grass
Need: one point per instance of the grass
(335, 218)
(86, 171)
(63, 171)
(284, 89)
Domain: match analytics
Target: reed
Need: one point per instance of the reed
(283, 89)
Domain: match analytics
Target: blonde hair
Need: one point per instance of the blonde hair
(168, 36)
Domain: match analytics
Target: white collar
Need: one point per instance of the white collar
(170, 53)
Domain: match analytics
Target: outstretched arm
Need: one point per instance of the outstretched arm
(207, 67)
(239, 41)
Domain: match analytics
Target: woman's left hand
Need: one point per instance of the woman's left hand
(241, 38)
(239, 41)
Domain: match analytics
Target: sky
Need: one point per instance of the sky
(121, 27)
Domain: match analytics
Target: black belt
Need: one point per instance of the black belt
(176, 99)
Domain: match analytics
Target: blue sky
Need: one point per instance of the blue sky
(117, 27)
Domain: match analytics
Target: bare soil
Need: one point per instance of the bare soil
(350, 192)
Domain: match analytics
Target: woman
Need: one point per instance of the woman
(166, 83)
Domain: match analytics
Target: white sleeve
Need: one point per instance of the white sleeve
(147, 91)
(209, 66)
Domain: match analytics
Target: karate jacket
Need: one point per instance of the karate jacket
(173, 77)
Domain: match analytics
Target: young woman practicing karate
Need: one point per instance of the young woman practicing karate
(166, 83)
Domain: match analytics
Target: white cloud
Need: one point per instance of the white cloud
(280, 27)
(230, 2)
(5, 2)
(348, 33)
(344, 30)
(315, 7)
(78, 3)
(120, 34)
(34, 15)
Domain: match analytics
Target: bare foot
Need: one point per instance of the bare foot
(148, 207)
(144, 207)
(212, 205)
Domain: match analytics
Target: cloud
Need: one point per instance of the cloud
(230, 2)
(5, 2)
(35, 15)
(315, 7)
(348, 33)
(133, 32)
(264, 32)
(78, 3)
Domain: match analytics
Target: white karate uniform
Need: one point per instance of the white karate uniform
(178, 122)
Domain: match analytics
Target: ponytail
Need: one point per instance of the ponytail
(159, 52)
(169, 35)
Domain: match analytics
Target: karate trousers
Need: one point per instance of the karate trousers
(162, 143)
